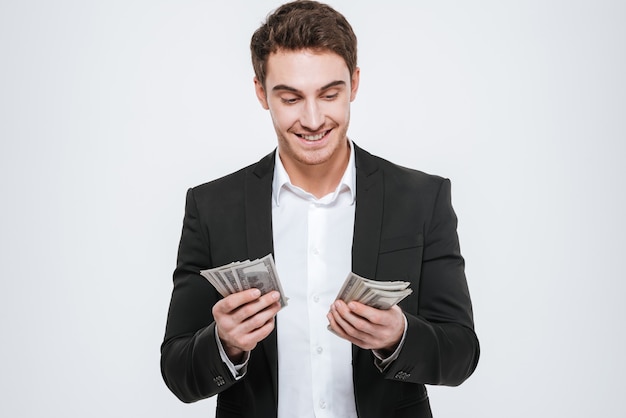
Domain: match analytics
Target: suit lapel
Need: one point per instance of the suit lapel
(258, 201)
(368, 215)
(367, 219)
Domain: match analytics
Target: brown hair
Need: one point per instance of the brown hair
(303, 24)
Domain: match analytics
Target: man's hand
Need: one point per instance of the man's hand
(367, 327)
(243, 319)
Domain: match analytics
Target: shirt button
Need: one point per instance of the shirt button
(319, 350)
(316, 298)
(316, 251)
(322, 404)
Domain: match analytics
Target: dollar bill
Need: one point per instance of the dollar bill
(378, 294)
(242, 275)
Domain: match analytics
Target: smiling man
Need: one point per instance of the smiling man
(323, 207)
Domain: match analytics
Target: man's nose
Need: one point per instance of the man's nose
(312, 117)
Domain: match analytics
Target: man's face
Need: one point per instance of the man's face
(308, 95)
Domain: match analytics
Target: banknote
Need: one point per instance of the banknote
(242, 275)
(378, 294)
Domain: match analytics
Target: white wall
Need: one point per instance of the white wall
(109, 110)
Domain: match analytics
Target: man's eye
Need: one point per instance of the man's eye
(331, 96)
(290, 100)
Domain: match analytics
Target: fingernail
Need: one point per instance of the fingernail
(275, 295)
(256, 293)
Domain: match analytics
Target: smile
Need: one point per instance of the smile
(314, 137)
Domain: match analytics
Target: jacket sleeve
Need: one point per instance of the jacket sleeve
(190, 360)
(441, 347)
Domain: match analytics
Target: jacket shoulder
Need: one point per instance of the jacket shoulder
(399, 176)
(234, 183)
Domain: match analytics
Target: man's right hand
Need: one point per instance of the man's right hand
(243, 319)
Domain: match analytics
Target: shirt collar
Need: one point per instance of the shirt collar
(347, 183)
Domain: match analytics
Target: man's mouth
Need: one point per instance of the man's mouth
(314, 137)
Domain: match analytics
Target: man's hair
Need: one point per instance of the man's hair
(303, 24)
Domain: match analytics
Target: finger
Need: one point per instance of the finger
(235, 300)
(356, 322)
(372, 315)
(333, 326)
(351, 324)
(260, 318)
(266, 302)
(248, 341)
(244, 335)
(339, 331)
(242, 305)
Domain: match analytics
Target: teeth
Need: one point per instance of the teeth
(313, 137)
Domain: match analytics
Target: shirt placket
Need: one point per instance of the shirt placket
(317, 271)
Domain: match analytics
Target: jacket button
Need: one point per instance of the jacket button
(402, 375)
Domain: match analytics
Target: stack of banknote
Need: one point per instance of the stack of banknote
(262, 274)
(242, 275)
(378, 294)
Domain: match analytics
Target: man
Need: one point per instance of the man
(323, 207)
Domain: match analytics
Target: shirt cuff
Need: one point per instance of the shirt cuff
(237, 370)
(381, 362)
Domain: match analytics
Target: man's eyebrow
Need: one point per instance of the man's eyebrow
(280, 87)
(285, 87)
(333, 84)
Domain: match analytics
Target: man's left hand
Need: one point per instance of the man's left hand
(367, 327)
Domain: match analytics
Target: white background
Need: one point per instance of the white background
(110, 110)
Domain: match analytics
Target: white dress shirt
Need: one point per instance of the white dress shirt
(313, 255)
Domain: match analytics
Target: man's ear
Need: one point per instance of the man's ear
(354, 83)
(260, 93)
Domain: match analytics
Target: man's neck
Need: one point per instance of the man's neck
(319, 179)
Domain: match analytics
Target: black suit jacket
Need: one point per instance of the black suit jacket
(404, 229)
